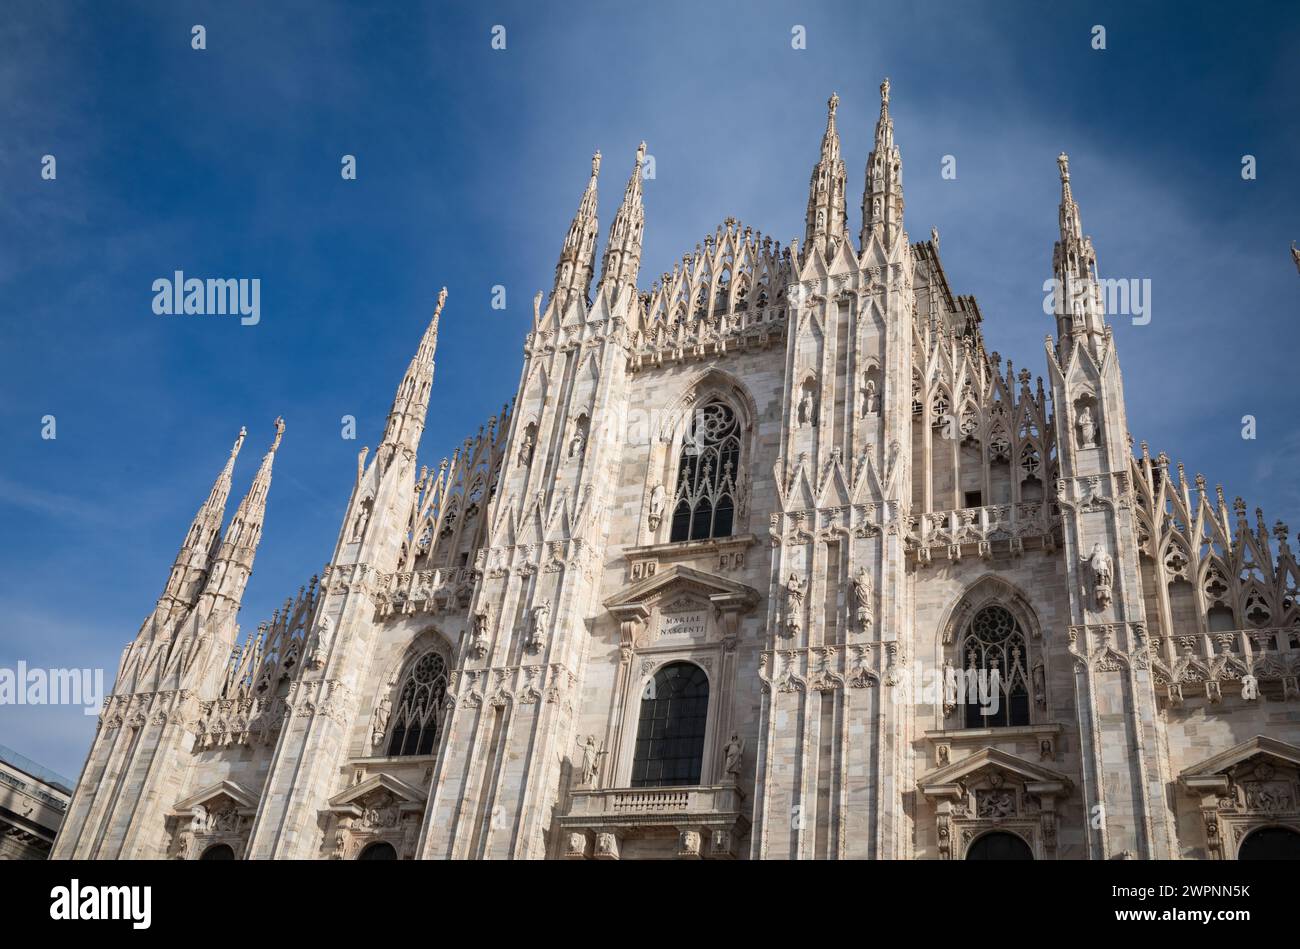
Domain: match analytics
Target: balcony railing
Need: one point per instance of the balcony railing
(980, 527)
(1241, 659)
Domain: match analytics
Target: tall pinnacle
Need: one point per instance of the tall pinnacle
(622, 259)
(578, 256)
(882, 199)
(234, 560)
(411, 403)
(1074, 265)
(190, 569)
(827, 218)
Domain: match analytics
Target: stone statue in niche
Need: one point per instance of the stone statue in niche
(657, 495)
(732, 755)
(862, 591)
(807, 408)
(526, 446)
(482, 623)
(869, 398)
(537, 635)
(380, 728)
(324, 636)
(362, 519)
(591, 755)
(578, 443)
(1087, 426)
(793, 605)
(1102, 567)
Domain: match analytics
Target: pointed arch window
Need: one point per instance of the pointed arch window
(413, 729)
(994, 657)
(705, 501)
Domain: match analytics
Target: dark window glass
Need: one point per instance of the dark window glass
(414, 722)
(218, 852)
(1270, 843)
(378, 851)
(999, 845)
(704, 504)
(670, 735)
(993, 657)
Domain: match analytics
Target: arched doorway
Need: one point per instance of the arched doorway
(379, 850)
(219, 852)
(1270, 843)
(999, 845)
(670, 734)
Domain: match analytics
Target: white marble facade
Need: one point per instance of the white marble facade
(877, 505)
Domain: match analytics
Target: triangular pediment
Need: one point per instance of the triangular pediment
(358, 793)
(1029, 772)
(676, 581)
(1279, 751)
(242, 797)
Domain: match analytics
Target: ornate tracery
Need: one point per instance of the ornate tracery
(994, 658)
(413, 728)
(707, 475)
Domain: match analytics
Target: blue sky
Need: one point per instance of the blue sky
(225, 162)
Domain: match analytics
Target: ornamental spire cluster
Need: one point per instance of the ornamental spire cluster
(622, 259)
(407, 417)
(827, 218)
(578, 255)
(1078, 305)
(882, 198)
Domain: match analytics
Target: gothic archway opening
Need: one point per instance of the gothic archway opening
(994, 658)
(999, 845)
(1270, 843)
(670, 734)
(380, 850)
(707, 475)
(414, 727)
(219, 852)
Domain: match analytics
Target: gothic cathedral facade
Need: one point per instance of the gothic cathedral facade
(771, 560)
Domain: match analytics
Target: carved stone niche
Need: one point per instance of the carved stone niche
(1252, 785)
(220, 815)
(995, 790)
(381, 809)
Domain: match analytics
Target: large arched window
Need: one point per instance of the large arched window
(670, 735)
(1270, 843)
(380, 850)
(993, 657)
(414, 724)
(704, 504)
(219, 852)
(999, 845)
